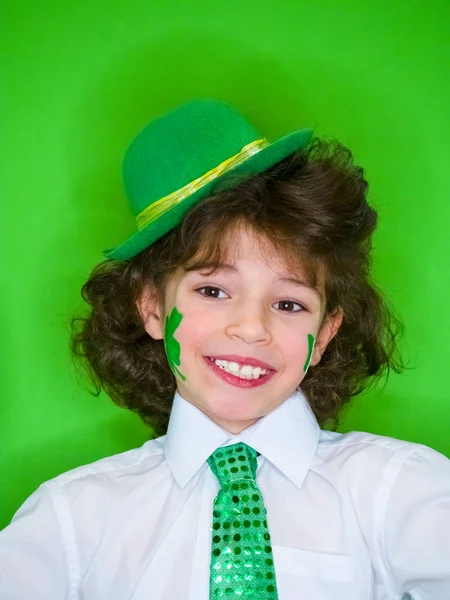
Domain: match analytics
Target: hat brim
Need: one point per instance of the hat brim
(255, 164)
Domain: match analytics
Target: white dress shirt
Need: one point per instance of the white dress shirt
(352, 516)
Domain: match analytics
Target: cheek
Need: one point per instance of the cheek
(194, 332)
(297, 348)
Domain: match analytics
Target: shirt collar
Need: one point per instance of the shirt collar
(288, 437)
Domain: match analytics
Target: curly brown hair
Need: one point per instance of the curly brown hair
(311, 206)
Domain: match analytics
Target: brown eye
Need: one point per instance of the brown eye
(212, 292)
(285, 303)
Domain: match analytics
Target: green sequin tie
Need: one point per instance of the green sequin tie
(241, 553)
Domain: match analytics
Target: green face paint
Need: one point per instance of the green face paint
(172, 345)
(311, 342)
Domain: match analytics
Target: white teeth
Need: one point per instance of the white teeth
(244, 372)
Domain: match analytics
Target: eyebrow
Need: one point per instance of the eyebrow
(230, 268)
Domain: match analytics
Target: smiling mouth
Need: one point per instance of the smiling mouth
(260, 376)
(236, 380)
(242, 361)
(267, 371)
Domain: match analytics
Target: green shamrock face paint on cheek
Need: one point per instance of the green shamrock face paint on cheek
(172, 345)
(311, 342)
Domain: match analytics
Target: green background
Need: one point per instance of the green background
(81, 78)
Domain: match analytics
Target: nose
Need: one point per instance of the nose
(250, 323)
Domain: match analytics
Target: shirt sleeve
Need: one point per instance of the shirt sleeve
(417, 526)
(33, 561)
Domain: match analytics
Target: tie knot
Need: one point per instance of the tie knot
(233, 463)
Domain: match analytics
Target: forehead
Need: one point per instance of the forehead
(246, 244)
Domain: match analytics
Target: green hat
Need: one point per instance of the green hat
(177, 159)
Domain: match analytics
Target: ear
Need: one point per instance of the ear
(150, 312)
(327, 332)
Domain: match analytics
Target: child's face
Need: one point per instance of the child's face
(247, 312)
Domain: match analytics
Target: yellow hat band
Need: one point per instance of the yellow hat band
(161, 206)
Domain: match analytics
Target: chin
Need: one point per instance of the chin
(235, 414)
